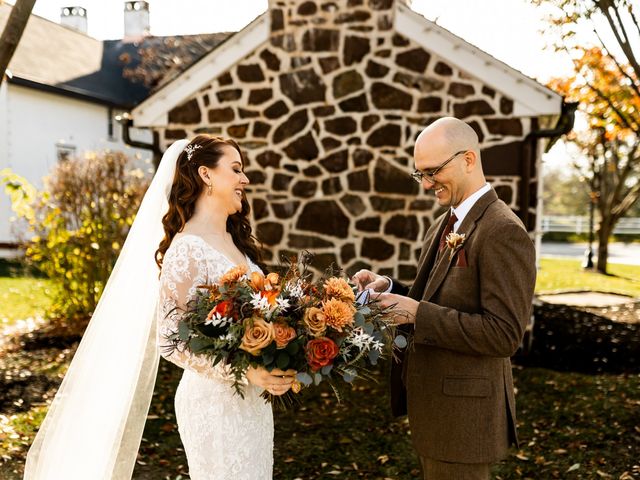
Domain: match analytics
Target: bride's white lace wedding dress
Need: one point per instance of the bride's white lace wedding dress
(225, 437)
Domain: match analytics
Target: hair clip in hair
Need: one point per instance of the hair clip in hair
(190, 149)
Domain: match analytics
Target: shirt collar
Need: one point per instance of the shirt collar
(463, 209)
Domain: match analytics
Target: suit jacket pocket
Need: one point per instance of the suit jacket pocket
(464, 386)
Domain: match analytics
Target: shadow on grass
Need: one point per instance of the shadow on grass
(565, 418)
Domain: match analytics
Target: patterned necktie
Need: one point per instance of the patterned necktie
(447, 230)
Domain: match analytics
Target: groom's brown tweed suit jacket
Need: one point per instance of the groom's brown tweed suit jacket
(471, 319)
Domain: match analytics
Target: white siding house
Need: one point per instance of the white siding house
(38, 128)
(62, 93)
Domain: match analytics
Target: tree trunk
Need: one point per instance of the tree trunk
(604, 232)
(12, 32)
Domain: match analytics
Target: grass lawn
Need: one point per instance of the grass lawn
(23, 297)
(571, 425)
(560, 274)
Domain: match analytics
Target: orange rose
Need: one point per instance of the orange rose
(321, 352)
(337, 313)
(338, 288)
(258, 334)
(233, 275)
(315, 321)
(283, 334)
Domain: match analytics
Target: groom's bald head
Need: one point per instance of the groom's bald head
(455, 133)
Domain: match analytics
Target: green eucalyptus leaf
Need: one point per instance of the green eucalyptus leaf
(293, 348)
(349, 376)
(304, 378)
(282, 360)
(267, 358)
(373, 356)
(400, 341)
(199, 344)
(368, 328)
(184, 331)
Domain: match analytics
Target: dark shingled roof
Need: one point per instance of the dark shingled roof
(56, 58)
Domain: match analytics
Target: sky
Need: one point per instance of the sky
(512, 35)
(509, 30)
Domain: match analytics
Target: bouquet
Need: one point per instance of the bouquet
(319, 329)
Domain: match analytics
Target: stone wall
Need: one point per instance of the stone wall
(327, 112)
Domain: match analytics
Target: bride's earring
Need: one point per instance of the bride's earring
(209, 189)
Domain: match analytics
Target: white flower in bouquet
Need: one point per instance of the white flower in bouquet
(260, 303)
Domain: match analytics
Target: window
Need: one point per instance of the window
(65, 151)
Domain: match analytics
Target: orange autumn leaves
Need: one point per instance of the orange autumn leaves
(603, 88)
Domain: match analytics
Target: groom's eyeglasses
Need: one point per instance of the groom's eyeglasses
(428, 175)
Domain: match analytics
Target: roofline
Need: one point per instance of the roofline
(66, 91)
(58, 24)
(152, 111)
(530, 97)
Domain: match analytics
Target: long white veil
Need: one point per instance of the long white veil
(94, 425)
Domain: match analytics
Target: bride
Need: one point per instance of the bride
(94, 425)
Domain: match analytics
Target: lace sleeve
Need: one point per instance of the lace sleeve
(184, 268)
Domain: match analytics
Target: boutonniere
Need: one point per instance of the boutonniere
(454, 242)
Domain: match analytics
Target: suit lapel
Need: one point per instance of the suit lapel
(467, 227)
(425, 265)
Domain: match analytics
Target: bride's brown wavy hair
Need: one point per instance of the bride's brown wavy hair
(187, 187)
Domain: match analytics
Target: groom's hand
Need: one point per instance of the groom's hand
(367, 280)
(402, 309)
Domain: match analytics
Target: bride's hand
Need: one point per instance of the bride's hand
(276, 382)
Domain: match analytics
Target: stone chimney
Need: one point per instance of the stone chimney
(136, 18)
(317, 25)
(74, 18)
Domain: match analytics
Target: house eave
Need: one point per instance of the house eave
(67, 91)
(153, 112)
(531, 99)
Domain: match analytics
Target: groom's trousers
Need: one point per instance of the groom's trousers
(436, 470)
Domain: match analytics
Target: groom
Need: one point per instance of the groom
(467, 309)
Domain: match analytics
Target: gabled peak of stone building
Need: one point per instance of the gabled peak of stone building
(317, 25)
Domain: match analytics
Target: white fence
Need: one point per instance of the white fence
(576, 224)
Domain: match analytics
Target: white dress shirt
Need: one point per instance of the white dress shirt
(460, 212)
(463, 209)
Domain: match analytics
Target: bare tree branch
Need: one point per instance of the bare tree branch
(634, 20)
(624, 45)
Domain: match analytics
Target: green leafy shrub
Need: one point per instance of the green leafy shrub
(78, 224)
